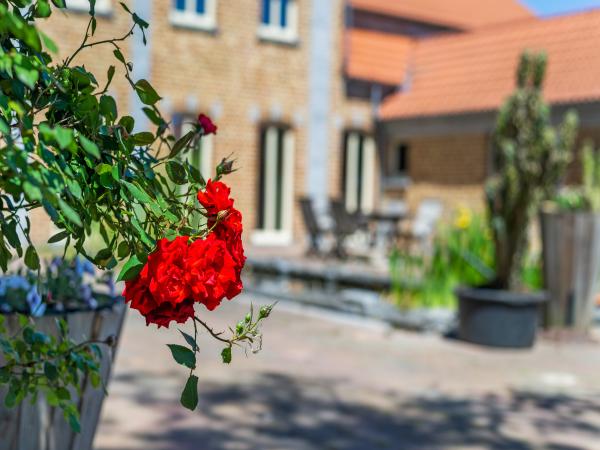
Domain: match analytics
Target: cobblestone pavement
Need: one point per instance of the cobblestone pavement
(325, 382)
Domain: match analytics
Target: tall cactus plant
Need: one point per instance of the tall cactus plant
(531, 157)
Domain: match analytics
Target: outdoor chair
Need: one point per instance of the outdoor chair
(417, 238)
(344, 225)
(316, 232)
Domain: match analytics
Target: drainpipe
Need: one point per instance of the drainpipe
(141, 56)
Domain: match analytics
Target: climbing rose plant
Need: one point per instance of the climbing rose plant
(65, 148)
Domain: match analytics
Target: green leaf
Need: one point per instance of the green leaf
(63, 136)
(108, 107)
(90, 147)
(143, 138)
(32, 260)
(181, 143)
(110, 75)
(73, 420)
(58, 237)
(176, 172)
(226, 355)
(103, 256)
(49, 43)
(146, 92)
(189, 396)
(69, 212)
(190, 340)
(131, 269)
(183, 355)
(137, 193)
(119, 55)
(123, 249)
(50, 371)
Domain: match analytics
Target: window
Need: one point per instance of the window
(359, 172)
(200, 14)
(102, 6)
(200, 156)
(399, 163)
(276, 187)
(279, 20)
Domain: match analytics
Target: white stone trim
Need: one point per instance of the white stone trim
(102, 6)
(191, 19)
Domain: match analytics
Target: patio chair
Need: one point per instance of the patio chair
(316, 232)
(344, 225)
(422, 227)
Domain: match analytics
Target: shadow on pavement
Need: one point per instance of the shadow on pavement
(283, 412)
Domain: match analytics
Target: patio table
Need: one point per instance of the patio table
(387, 225)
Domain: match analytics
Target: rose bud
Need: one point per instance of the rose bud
(207, 125)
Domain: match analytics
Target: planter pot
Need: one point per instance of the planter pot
(571, 256)
(39, 426)
(498, 318)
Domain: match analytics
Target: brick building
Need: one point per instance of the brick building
(322, 97)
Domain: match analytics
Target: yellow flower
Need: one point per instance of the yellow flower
(463, 218)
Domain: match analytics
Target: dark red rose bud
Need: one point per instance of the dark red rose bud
(208, 126)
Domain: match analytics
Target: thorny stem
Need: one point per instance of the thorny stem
(212, 332)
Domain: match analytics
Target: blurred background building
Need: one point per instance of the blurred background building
(362, 100)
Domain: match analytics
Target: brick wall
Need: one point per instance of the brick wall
(452, 168)
(241, 81)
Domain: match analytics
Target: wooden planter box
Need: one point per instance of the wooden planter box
(571, 258)
(41, 427)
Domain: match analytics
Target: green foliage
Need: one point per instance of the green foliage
(531, 157)
(463, 254)
(64, 148)
(246, 335)
(35, 362)
(587, 196)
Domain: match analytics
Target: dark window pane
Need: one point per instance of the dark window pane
(283, 18)
(266, 11)
(180, 5)
(200, 6)
(402, 158)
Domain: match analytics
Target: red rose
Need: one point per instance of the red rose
(165, 313)
(161, 287)
(212, 273)
(215, 198)
(230, 230)
(207, 124)
(216, 201)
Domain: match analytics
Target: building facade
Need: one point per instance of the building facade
(313, 98)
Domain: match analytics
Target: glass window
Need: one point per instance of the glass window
(399, 163)
(279, 20)
(199, 14)
(359, 172)
(276, 186)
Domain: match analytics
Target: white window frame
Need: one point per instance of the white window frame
(274, 31)
(192, 19)
(205, 147)
(268, 236)
(102, 6)
(367, 176)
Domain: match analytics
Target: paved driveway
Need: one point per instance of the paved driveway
(329, 382)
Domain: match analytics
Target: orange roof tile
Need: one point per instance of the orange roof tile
(378, 57)
(463, 14)
(475, 71)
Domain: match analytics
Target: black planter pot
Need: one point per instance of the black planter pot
(498, 318)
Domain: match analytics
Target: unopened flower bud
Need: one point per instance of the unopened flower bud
(265, 311)
(225, 167)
